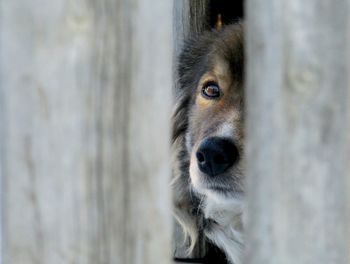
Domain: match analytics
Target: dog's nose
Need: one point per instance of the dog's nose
(215, 155)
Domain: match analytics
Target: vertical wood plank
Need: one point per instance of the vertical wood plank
(86, 94)
(297, 105)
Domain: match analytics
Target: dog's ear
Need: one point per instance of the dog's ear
(218, 24)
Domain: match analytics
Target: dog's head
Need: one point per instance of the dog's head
(211, 80)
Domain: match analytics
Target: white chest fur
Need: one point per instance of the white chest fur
(225, 230)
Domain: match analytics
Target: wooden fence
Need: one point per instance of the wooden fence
(85, 97)
(84, 124)
(298, 131)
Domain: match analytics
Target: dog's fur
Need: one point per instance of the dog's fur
(214, 56)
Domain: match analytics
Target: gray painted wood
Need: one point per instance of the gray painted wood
(84, 125)
(297, 129)
(189, 18)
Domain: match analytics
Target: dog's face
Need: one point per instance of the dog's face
(214, 135)
(208, 139)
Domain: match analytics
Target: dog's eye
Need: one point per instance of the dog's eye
(211, 90)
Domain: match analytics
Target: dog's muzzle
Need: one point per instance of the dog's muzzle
(215, 155)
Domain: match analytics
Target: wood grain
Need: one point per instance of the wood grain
(297, 114)
(85, 99)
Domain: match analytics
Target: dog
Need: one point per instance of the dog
(208, 140)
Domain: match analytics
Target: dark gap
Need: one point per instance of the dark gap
(230, 10)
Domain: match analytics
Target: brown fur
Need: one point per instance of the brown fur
(215, 56)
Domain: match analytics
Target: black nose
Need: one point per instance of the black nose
(215, 155)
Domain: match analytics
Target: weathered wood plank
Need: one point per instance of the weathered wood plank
(85, 87)
(297, 105)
